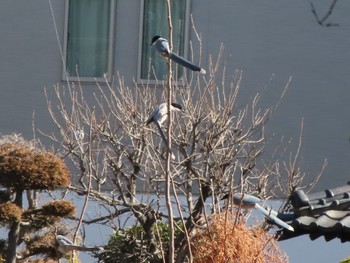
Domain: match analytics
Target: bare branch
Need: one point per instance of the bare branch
(323, 21)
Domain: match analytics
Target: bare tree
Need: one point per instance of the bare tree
(218, 147)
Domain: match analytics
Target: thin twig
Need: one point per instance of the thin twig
(321, 21)
(90, 169)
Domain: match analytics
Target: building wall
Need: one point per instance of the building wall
(29, 61)
(270, 41)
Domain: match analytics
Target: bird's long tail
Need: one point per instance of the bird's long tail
(164, 139)
(274, 219)
(83, 248)
(185, 63)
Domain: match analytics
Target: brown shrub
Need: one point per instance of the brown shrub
(61, 208)
(40, 260)
(45, 245)
(49, 214)
(225, 241)
(24, 169)
(39, 221)
(10, 212)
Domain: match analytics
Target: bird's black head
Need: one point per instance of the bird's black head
(177, 106)
(154, 39)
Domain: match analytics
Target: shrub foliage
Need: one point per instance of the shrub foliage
(28, 169)
(226, 240)
(9, 213)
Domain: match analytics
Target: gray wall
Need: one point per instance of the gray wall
(29, 61)
(282, 38)
(260, 37)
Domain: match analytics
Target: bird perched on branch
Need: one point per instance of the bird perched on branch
(246, 201)
(162, 46)
(159, 115)
(65, 246)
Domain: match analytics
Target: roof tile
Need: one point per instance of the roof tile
(325, 213)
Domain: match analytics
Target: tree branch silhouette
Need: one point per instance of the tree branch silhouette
(322, 21)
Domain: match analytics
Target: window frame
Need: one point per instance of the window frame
(140, 80)
(108, 75)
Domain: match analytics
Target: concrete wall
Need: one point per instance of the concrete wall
(264, 39)
(29, 61)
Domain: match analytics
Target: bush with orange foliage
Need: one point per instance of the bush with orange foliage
(225, 240)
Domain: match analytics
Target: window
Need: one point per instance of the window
(154, 21)
(88, 43)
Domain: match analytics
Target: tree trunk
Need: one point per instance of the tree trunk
(14, 231)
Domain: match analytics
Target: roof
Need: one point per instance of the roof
(325, 213)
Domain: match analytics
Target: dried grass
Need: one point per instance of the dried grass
(226, 241)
